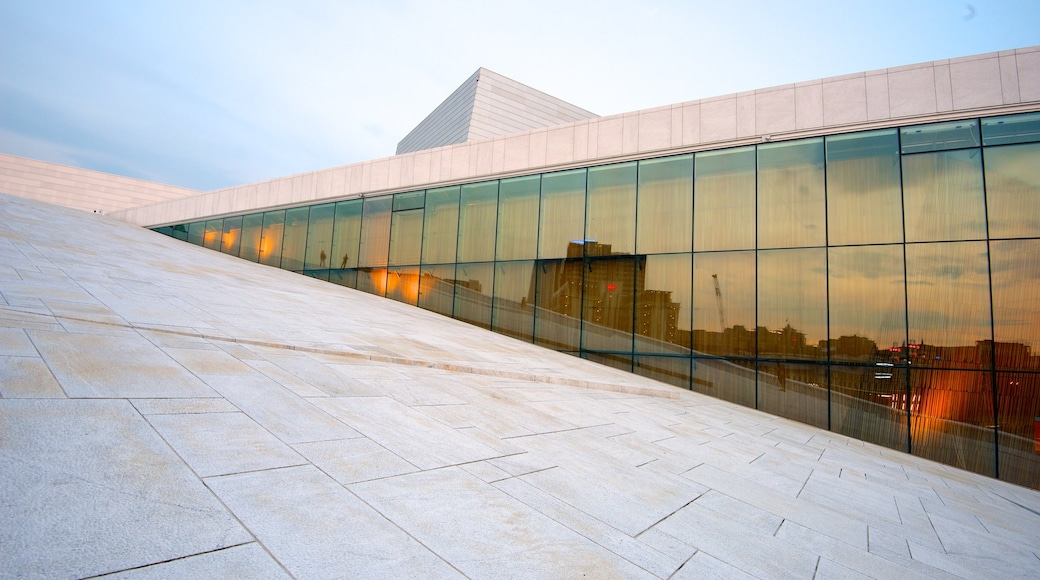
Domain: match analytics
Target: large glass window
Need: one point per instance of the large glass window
(441, 226)
(867, 302)
(271, 238)
(319, 236)
(557, 322)
(869, 402)
(939, 136)
(951, 418)
(477, 213)
(794, 390)
(402, 284)
(1013, 191)
(724, 200)
(610, 214)
(1024, 128)
(346, 234)
(1016, 310)
(406, 237)
(518, 203)
(562, 217)
(724, 304)
(231, 237)
(474, 286)
(252, 230)
(294, 242)
(214, 229)
(513, 313)
(665, 205)
(197, 233)
(864, 201)
(375, 231)
(437, 288)
(792, 303)
(608, 301)
(791, 194)
(663, 300)
(942, 196)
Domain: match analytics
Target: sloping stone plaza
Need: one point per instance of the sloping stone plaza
(170, 411)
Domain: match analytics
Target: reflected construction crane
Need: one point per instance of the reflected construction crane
(718, 298)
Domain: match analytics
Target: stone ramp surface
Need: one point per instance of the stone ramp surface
(168, 411)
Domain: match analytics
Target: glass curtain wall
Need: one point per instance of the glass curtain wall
(880, 284)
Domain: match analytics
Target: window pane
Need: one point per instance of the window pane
(214, 229)
(406, 237)
(271, 238)
(372, 280)
(294, 242)
(375, 231)
(197, 233)
(252, 228)
(1019, 406)
(514, 300)
(673, 370)
(724, 200)
(477, 213)
(951, 418)
(319, 236)
(940, 136)
(474, 284)
(346, 234)
(557, 321)
(665, 212)
(410, 200)
(794, 390)
(611, 211)
(1013, 191)
(441, 226)
(734, 381)
(1016, 310)
(608, 302)
(948, 304)
(402, 284)
(869, 403)
(864, 201)
(1011, 129)
(942, 196)
(791, 207)
(562, 219)
(663, 303)
(518, 218)
(867, 302)
(231, 238)
(792, 303)
(437, 288)
(348, 278)
(724, 319)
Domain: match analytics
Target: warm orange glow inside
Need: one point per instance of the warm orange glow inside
(228, 240)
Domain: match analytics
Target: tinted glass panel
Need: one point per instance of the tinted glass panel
(402, 284)
(562, 218)
(951, 418)
(231, 238)
(735, 381)
(1016, 310)
(180, 232)
(671, 370)
(271, 238)
(864, 201)
(474, 285)
(518, 218)
(1011, 129)
(663, 304)
(372, 280)
(792, 303)
(724, 304)
(942, 196)
(294, 242)
(940, 136)
(346, 278)
(867, 302)
(724, 200)
(1018, 403)
(406, 237)
(1013, 191)
(869, 402)
(791, 194)
(557, 321)
(214, 229)
(440, 228)
(346, 234)
(197, 233)
(608, 301)
(513, 313)
(948, 304)
(410, 200)
(611, 207)
(794, 390)
(437, 288)
(375, 231)
(252, 229)
(477, 213)
(319, 236)
(665, 212)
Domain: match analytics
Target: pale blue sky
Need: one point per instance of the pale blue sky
(208, 94)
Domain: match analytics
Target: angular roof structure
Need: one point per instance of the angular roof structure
(166, 410)
(489, 105)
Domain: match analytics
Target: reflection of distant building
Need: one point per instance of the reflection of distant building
(853, 348)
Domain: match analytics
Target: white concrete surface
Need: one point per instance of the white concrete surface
(169, 411)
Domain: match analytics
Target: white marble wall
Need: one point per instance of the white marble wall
(984, 84)
(81, 188)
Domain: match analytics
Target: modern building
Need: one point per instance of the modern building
(859, 253)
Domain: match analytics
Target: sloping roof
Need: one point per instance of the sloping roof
(488, 105)
(168, 410)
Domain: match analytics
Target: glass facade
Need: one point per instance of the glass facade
(880, 284)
